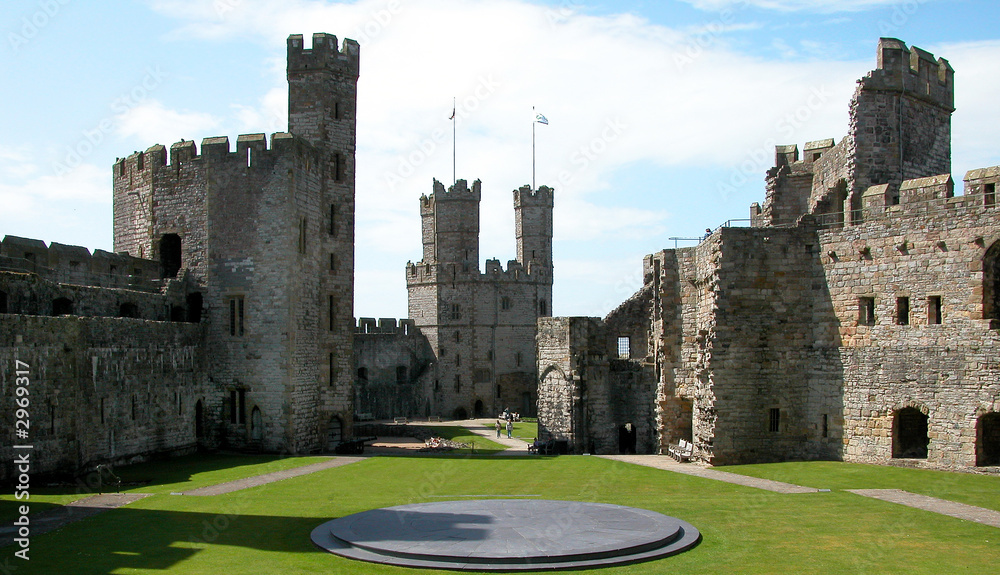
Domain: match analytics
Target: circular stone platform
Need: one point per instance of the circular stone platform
(506, 535)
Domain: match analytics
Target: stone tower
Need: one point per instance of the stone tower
(264, 237)
(480, 325)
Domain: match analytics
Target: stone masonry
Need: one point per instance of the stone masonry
(857, 318)
(480, 325)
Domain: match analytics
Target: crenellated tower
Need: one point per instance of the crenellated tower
(481, 326)
(265, 235)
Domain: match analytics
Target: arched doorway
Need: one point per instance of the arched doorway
(988, 440)
(477, 409)
(626, 438)
(991, 283)
(460, 413)
(199, 420)
(256, 424)
(909, 434)
(334, 433)
(170, 255)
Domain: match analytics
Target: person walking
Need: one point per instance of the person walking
(498, 428)
(510, 428)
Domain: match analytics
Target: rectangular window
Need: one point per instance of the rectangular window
(933, 310)
(543, 308)
(458, 383)
(482, 375)
(237, 406)
(774, 420)
(332, 305)
(333, 263)
(517, 359)
(866, 311)
(989, 195)
(903, 311)
(401, 374)
(456, 311)
(333, 371)
(302, 235)
(102, 411)
(332, 223)
(338, 167)
(624, 347)
(505, 303)
(236, 316)
(826, 425)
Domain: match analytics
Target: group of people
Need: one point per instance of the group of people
(508, 417)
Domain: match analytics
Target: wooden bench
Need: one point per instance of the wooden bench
(682, 451)
(433, 418)
(399, 420)
(364, 417)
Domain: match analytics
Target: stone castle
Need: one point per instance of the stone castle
(855, 319)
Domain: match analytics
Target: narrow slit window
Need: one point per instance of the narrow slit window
(236, 316)
(934, 314)
(302, 235)
(332, 224)
(332, 304)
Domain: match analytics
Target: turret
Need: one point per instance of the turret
(533, 226)
(450, 223)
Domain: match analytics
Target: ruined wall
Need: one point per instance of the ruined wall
(102, 389)
(394, 366)
(914, 353)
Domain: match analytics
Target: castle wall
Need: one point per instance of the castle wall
(102, 389)
(395, 368)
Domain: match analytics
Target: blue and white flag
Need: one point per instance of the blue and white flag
(541, 119)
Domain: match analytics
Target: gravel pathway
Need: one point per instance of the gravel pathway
(669, 464)
(257, 480)
(71, 512)
(942, 506)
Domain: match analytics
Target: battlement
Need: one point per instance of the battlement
(251, 151)
(76, 265)
(385, 325)
(459, 191)
(525, 196)
(324, 54)
(912, 71)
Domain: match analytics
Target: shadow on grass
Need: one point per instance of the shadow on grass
(129, 538)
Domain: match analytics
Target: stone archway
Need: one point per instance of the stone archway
(909, 434)
(988, 440)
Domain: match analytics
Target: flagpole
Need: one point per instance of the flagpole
(454, 143)
(533, 122)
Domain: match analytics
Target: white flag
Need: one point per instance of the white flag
(541, 119)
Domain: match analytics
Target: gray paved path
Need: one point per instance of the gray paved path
(70, 513)
(486, 428)
(942, 506)
(258, 480)
(669, 464)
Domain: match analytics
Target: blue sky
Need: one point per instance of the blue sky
(663, 115)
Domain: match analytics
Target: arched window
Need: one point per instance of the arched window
(909, 434)
(256, 424)
(991, 285)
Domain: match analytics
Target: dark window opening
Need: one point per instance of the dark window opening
(991, 284)
(336, 111)
(988, 440)
(866, 311)
(626, 438)
(624, 347)
(458, 382)
(401, 376)
(478, 409)
(460, 413)
(934, 310)
(826, 425)
(256, 424)
(333, 262)
(458, 359)
(302, 235)
(236, 316)
(543, 308)
(338, 167)
(990, 194)
(62, 306)
(332, 224)
(140, 162)
(52, 419)
(498, 392)
(128, 309)
(332, 368)
(194, 303)
(458, 336)
(170, 255)
(332, 303)
(903, 311)
(456, 311)
(909, 434)
(505, 303)
(774, 420)
(517, 359)
(3, 302)
(199, 420)
(177, 313)
(363, 374)
(133, 408)
(237, 406)
(335, 433)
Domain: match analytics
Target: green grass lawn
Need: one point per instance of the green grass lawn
(481, 445)
(265, 530)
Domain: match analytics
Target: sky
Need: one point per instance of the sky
(663, 115)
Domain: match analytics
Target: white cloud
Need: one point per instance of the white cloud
(151, 121)
(822, 6)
